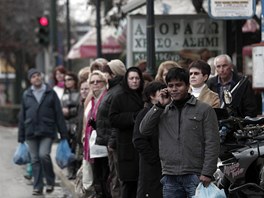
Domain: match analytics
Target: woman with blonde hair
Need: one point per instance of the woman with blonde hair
(164, 68)
(84, 73)
(98, 88)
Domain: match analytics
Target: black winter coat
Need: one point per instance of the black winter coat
(149, 162)
(123, 111)
(41, 119)
(71, 99)
(246, 104)
(106, 134)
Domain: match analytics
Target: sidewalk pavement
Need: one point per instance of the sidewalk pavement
(62, 173)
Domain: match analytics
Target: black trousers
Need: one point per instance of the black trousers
(128, 189)
(101, 174)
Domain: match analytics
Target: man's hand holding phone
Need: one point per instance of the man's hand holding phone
(164, 98)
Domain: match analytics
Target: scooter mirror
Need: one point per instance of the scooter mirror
(227, 97)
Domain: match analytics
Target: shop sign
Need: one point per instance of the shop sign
(174, 33)
(232, 9)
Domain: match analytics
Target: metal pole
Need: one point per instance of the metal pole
(20, 62)
(262, 40)
(98, 27)
(53, 29)
(151, 59)
(68, 24)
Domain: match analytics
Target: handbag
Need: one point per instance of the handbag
(64, 157)
(212, 191)
(21, 155)
(96, 151)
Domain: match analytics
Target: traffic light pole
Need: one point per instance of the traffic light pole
(68, 24)
(98, 29)
(53, 30)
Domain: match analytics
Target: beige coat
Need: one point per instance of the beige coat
(209, 97)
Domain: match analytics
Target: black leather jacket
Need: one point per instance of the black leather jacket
(244, 99)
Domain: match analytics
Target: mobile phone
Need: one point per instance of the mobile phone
(167, 95)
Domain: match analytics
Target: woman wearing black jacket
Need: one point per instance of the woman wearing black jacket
(148, 147)
(70, 102)
(123, 111)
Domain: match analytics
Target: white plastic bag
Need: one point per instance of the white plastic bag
(212, 191)
(96, 151)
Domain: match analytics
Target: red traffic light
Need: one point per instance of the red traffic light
(43, 21)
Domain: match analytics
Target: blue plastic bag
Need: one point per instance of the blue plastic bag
(22, 155)
(64, 156)
(212, 191)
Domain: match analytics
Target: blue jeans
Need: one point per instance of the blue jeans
(179, 186)
(40, 149)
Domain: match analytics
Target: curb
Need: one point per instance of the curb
(61, 173)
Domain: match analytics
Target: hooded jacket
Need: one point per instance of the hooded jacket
(123, 111)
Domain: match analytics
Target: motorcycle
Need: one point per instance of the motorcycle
(241, 161)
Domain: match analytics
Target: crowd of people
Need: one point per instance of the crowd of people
(160, 134)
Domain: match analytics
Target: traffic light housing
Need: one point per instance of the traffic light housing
(42, 31)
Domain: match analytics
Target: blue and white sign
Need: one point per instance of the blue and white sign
(232, 9)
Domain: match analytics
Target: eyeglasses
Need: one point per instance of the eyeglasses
(195, 73)
(68, 79)
(96, 81)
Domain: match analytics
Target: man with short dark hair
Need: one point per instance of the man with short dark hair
(188, 137)
(40, 117)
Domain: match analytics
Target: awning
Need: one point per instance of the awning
(86, 46)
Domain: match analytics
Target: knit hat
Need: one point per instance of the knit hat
(31, 72)
(117, 67)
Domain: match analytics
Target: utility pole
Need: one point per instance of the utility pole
(53, 30)
(151, 59)
(98, 29)
(68, 24)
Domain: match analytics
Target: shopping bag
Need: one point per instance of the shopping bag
(212, 191)
(22, 155)
(96, 151)
(64, 156)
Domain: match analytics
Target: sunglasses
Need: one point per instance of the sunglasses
(68, 79)
(195, 73)
(96, 81)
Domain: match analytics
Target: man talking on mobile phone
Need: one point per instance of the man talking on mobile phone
(188, 137)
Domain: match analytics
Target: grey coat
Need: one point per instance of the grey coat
(188, 139)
